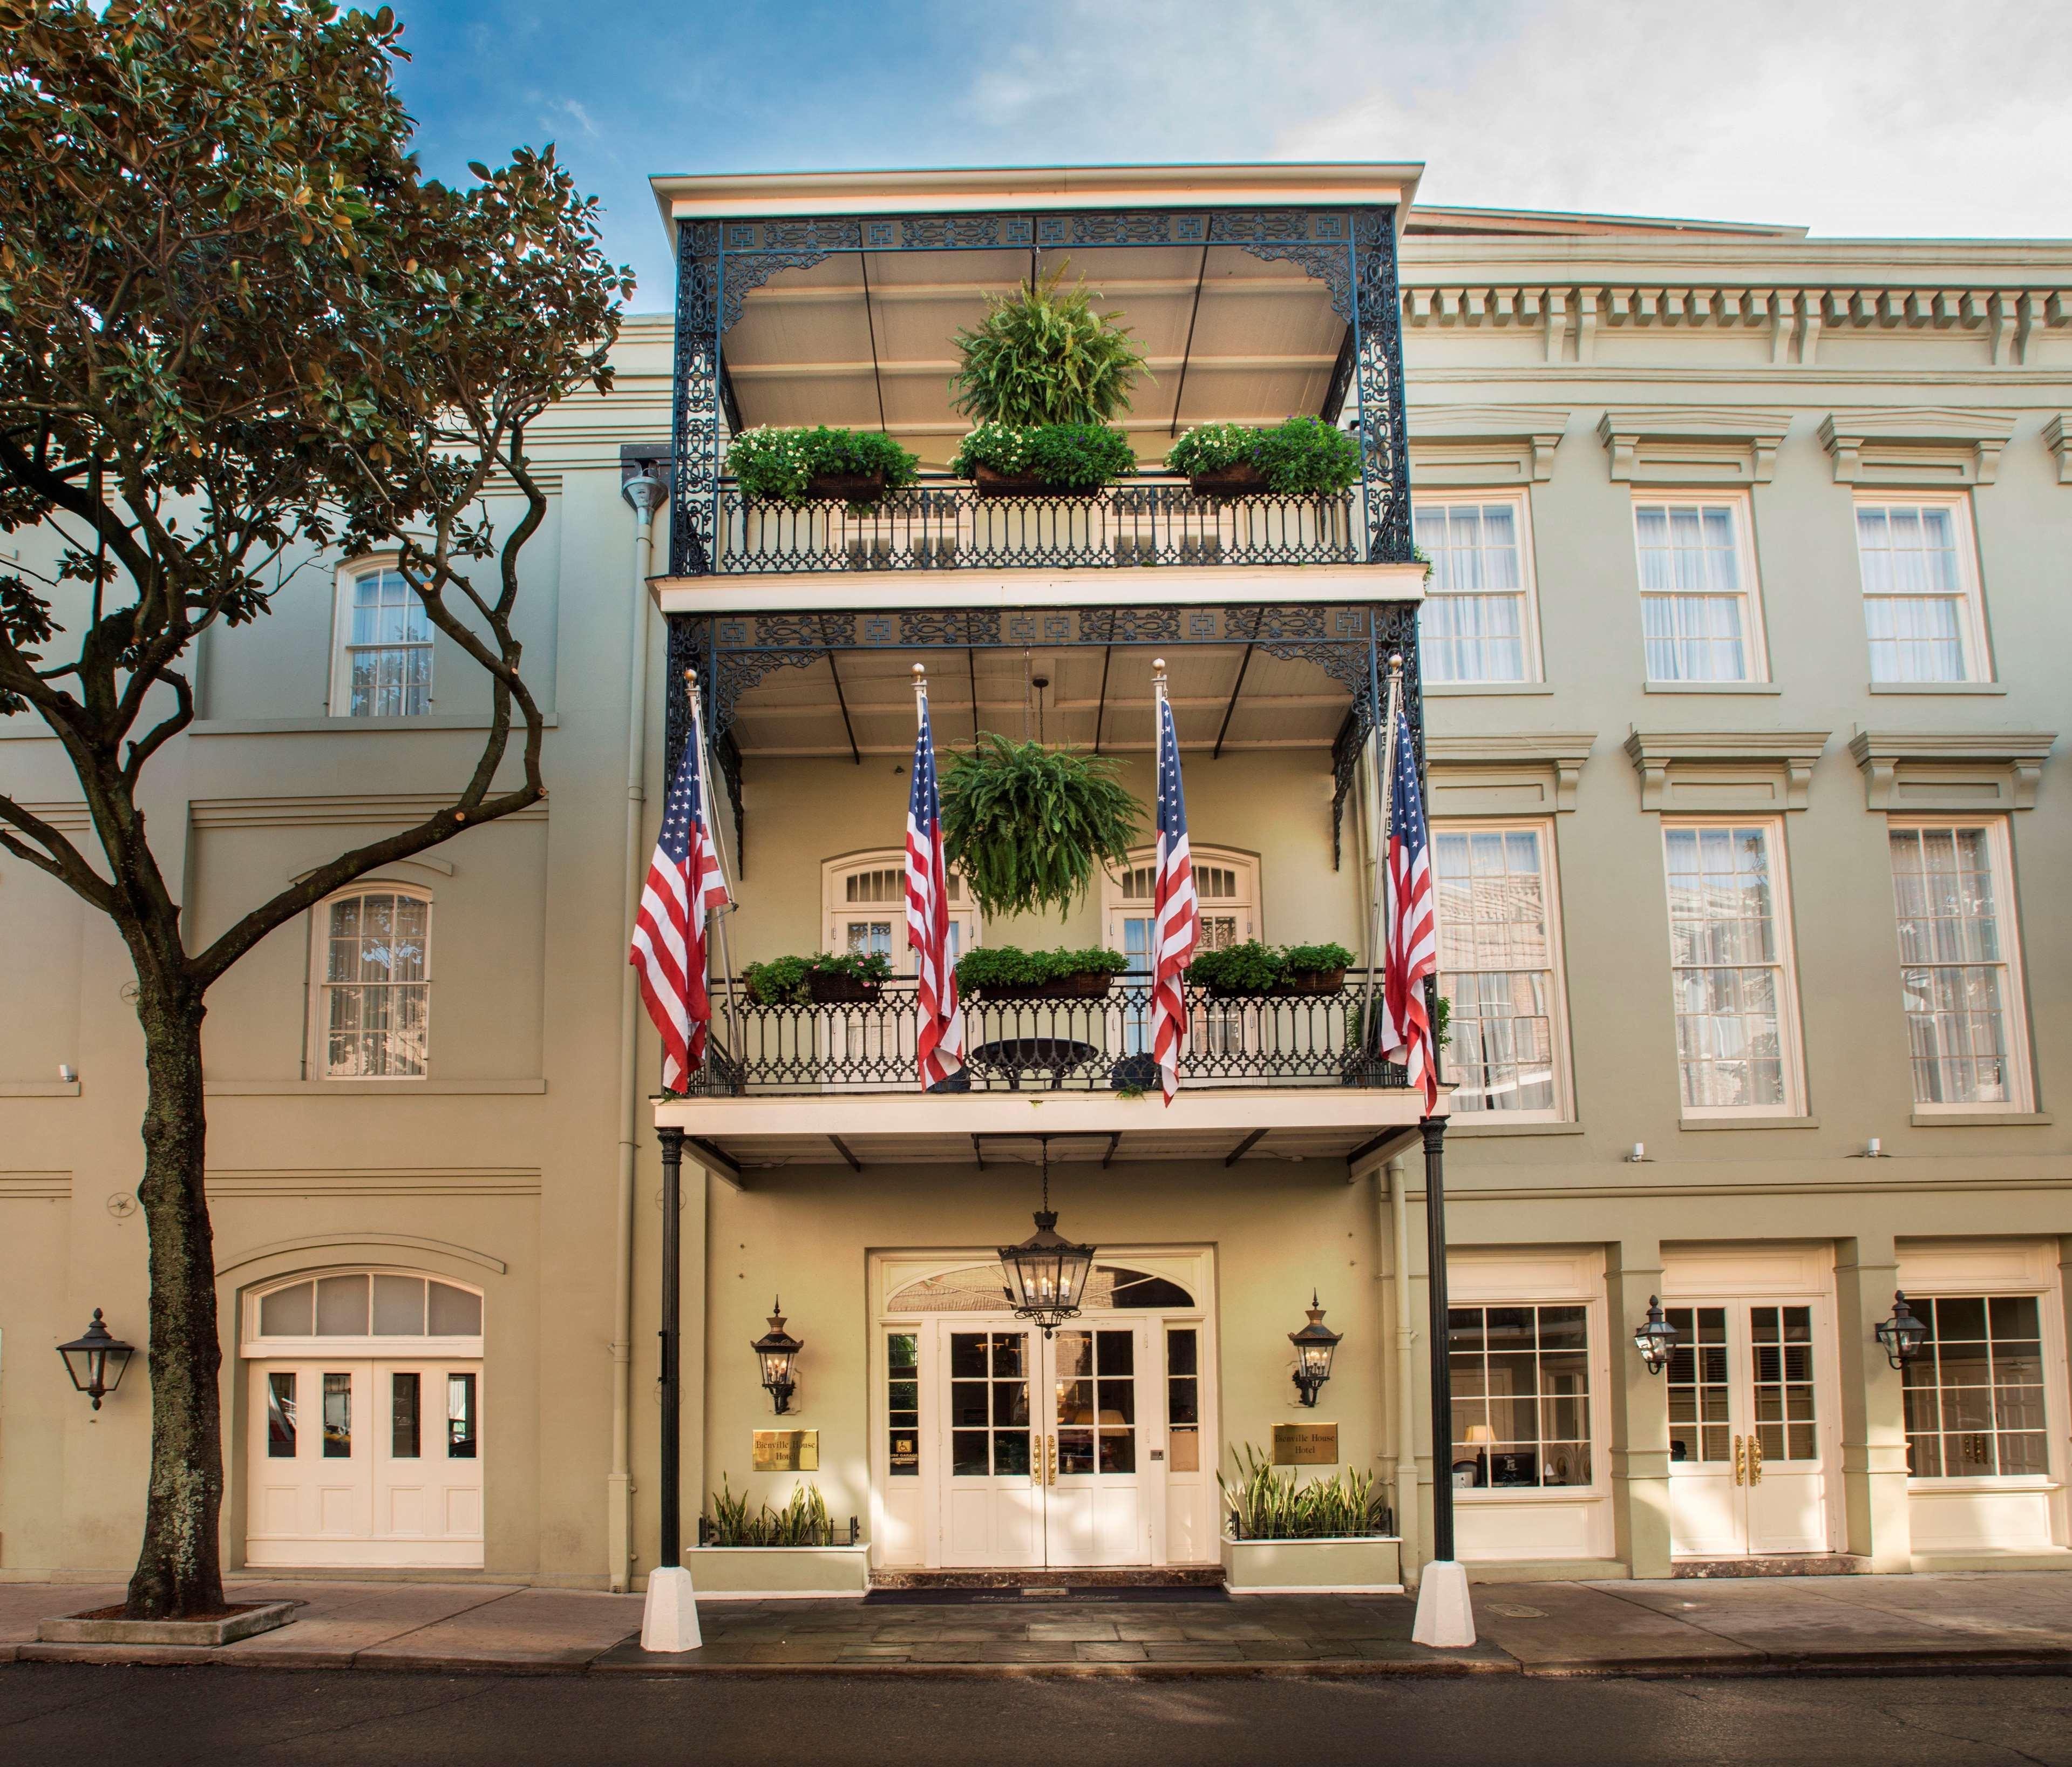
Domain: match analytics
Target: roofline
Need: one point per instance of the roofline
(975, 190)
(1459, 218)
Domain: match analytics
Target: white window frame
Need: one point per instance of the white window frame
(339, 699)
(1564, 1107)
(1528, 592)
(834, 908)
(317, 1025)
(1790, 1028)
(1115, 908)
(1971, 625)
(255, 1344)
(1754, 642)
(2014, 1003)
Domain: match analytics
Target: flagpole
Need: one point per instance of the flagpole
(1369, 1038)
(710, 798)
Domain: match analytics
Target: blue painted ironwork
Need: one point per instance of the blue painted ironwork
(1351, 251)
(1097, 1044)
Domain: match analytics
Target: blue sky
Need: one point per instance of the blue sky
(1904, 117)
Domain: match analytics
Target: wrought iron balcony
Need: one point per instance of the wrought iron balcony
(946, 523)
(1097, 1044)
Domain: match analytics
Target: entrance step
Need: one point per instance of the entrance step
(1047, 1582)
(1802, 1564)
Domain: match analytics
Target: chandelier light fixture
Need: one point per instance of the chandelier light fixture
(1046, 1274)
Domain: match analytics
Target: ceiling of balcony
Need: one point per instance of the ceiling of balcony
(864, 339)
(1249, 701)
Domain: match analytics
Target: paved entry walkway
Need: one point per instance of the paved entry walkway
(1985, 1621)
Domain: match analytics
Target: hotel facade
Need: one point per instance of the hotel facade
(1727, 568)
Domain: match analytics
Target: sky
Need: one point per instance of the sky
(1892, 119)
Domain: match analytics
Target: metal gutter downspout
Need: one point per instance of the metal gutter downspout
(643, 493)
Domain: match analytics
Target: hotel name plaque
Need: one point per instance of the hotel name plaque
(787, 1451)
(1306, 1444)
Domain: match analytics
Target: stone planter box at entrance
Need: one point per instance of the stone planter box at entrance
(1354, 1564)
(779, 1572)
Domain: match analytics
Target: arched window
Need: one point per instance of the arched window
(864, 896)
(372, 1009)
(366, 1304)
(383, 668)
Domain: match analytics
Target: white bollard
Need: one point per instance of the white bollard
(1445, 1618)
(670, 1620)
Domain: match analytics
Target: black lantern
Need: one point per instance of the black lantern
(96, 1360)
(1313, 1344)
(1655, 1337)
(1902, 1335)
(775, 1350)
(1046, 1274)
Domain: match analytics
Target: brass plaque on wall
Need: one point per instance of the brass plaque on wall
(1306, 1444)
(787, 1451)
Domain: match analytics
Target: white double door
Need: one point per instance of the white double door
(1046, 1444)
(364, 1463)
(1749, 1425)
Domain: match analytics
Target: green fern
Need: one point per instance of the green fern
(1043, 355)
(1031, 827)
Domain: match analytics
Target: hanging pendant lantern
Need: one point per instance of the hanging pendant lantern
(1047, 1273)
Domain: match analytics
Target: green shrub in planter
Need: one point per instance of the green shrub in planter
(803, 1521)
(1259, 1503)
(997, 967)
(782, 465)
(1302, 457)
(1068, 456)
(1043, 355)
(1029, 828)
(787, 981)
(1249, 968)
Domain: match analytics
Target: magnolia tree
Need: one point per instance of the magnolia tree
(241, 328)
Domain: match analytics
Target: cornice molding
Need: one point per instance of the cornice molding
(1490, 772)
(2057, 438)
(1731, 770)
(1486, 444)
(1693, 444)
(1916, 444)
(1961, 770)
(332, 812)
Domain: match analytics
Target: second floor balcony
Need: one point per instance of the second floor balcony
(1254, 294)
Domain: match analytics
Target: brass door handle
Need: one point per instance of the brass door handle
(1741, 1463)
(1755, 1460)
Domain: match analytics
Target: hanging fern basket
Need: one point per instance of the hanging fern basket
(1029, 828)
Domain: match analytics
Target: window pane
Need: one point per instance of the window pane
(1727, 979)
(286, 1312)
(1975, 1404)
(1914, 598)
(399, 1306)
(460, 1417)
(1472, 625)
(1521, 1396)
(281, 1416)
(455, 1312)
(338, 1417)
(342, 1307)
(1953, 979)
(1495, 955)
(403, 1433)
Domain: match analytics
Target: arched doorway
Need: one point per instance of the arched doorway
(363, 1426)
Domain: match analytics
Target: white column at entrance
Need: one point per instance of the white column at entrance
(1878, 1523)
(1640, 1415)
(1411, 1466)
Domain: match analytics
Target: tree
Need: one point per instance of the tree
(238, 326)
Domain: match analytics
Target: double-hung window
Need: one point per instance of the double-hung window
(1959, 973)
(1698, 608)
(1499, 967)
(1730, 965)
(385, 664)
(1920, 598)
(374, 1001)
(1476, 624)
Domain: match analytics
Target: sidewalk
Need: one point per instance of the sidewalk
(1985, 1621)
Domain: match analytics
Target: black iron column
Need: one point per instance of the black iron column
(672, 1397)
(1442, 1377)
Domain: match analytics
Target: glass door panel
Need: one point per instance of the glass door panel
(992, 1492)
(1096, 1511)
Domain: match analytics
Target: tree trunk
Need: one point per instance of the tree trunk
(179, 1568)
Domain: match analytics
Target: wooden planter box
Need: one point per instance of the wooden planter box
(846, 487)
(1091, 985)
(1244, 480)
(999, 484)
(838, 989)
(1357, 1564)
(1313, 982)
(778, 1573)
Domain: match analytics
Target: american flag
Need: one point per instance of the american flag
(1411, 950)
(939, 1032)
(1175, 925)
(684, 883)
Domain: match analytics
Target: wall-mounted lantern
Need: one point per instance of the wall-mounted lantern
(1313, 1345)
(1655, 1337)
(96, 1360)
(776, 1349)
(1901, 1335)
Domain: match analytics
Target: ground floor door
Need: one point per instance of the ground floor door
(1048, 1464)
(364, 1463)
(1747, 1443)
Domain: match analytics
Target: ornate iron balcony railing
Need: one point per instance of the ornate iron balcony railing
(946, 524)
(1098, 1044)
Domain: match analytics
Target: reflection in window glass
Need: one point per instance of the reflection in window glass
(1727, 968)
(1975, 1390)
(1953, 975)
(1700, 1415)
(1183, 1401)
(281, 1416)
(1096, 1401)
(1781, 1342)
(389, 656)
(338, 1417)
(1521, 1395)
(376, 985)
(1496, 965)
(460, 1417)
(403, 1405)
(902, 1376)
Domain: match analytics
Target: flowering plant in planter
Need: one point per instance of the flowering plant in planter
(1050, 457)
(1007, 972)
(1303, 457)
(823, 978)
(802, 466)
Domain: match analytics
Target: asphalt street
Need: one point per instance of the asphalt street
(57, 1715)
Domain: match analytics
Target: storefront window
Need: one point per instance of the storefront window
(1521, 1396)
(1975, 1391)
(902, 1375)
